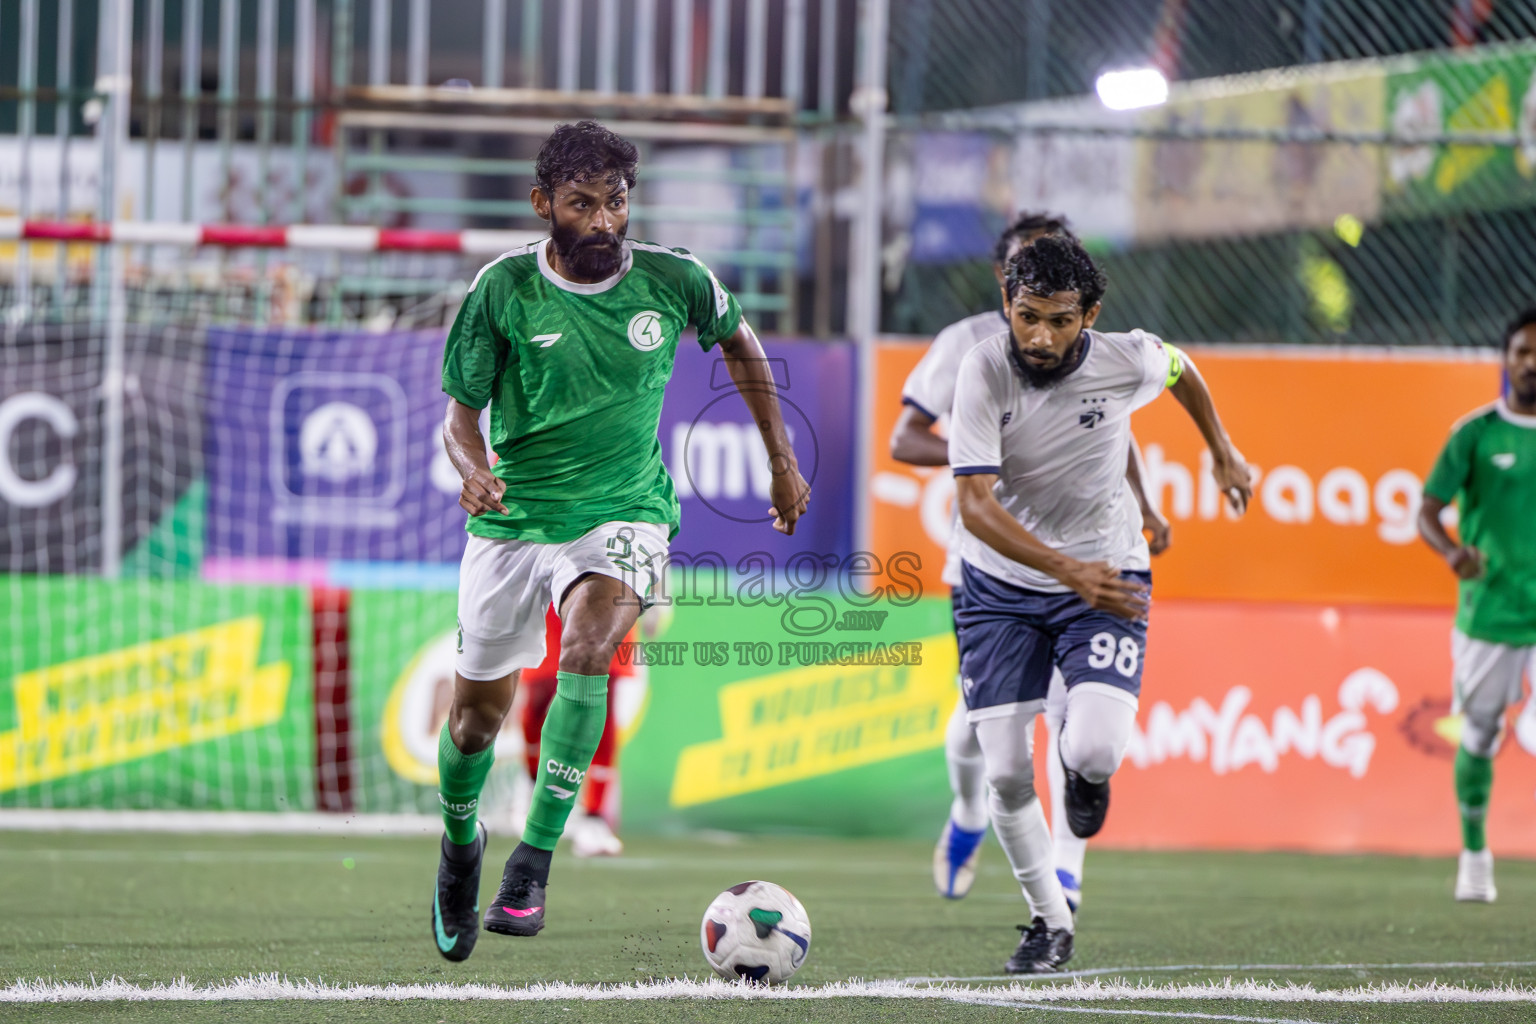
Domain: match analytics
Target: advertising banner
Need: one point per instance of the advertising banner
(950, 190)
(909, 506)
(799, 709)
(1339, 484)
(328, 445)
(1336, 721)
(811, 713)
(1494, 92)
(52, 441)
(716, 457)
(1090, 178)
(1193, 188)
(154, 695)
(1340, 478)
(402, 646)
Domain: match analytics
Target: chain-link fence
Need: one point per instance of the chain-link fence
(959, 54)
(1325, 171)
(1382, 201)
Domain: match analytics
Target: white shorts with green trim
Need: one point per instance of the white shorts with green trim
(505, 586)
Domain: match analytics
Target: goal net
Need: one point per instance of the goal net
(227, 522)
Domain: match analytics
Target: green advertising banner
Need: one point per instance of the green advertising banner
(811, 713)
(154, 695)
(1490, 91)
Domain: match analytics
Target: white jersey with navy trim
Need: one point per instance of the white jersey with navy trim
(930, 387)
(1059, 452)
(931, 384)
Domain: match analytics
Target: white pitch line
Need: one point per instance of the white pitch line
(1096, 972)
(230, 822)
(272, 988)
(601, 864)
(191, 857)
(1269, 991)
(1106, 1011)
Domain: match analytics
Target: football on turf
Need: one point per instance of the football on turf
(757, 932)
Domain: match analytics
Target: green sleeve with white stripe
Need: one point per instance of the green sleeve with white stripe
(712, 309)
(477, 348)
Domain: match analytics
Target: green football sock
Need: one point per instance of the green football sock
(1474, 782)
(460, 779)
(572, 730)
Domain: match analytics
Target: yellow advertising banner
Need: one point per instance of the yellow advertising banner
(123, 705)
(809, 722)
(1199, 188)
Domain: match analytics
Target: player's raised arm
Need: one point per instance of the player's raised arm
(749, 369)
(1227, 464)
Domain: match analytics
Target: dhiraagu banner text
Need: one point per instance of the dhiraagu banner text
(150, 694)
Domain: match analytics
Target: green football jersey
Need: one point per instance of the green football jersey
(574, 375)
(1488, 467)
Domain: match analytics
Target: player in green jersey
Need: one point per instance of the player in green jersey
(1489, 468)
(570, 341)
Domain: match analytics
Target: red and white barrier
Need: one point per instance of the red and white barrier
(330, 237)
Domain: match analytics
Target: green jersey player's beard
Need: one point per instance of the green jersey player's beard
(593, 257)
(1523, 388)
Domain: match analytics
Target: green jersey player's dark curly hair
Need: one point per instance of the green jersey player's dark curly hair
(584, 151)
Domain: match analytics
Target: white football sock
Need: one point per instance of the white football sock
(967, 772)
(1017, 817)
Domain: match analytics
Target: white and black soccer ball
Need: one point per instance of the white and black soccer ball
(756, 932)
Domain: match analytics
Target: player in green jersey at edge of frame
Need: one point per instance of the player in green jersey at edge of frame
(570, 341)
(1488, 467)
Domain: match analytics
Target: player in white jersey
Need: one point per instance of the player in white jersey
(1055, 567)
(926, 398)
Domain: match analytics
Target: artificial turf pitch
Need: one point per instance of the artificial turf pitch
(156, 908)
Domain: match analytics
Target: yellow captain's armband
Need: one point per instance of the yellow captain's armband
(1175, 365)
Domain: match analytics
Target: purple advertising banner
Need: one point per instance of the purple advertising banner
(324, 449)
(327, 445)
(53, 444)
(720, 467)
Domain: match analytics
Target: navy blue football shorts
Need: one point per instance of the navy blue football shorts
(1010, 639)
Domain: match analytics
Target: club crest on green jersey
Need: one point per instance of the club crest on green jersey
(645, 331)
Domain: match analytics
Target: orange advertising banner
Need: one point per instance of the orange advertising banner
(1287, 726)
(1342, 443)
